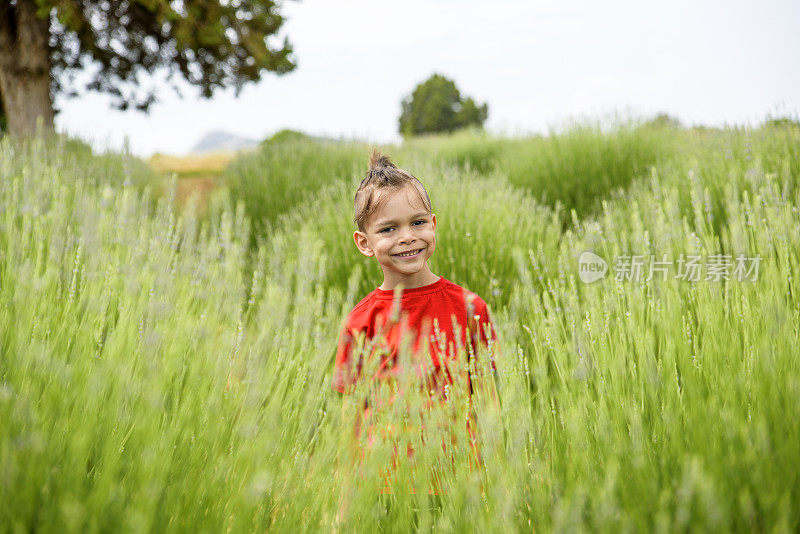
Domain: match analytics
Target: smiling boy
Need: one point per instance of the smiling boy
(397, 227)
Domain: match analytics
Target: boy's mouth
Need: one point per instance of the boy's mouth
(410, 254)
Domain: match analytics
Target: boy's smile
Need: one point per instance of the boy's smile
(401, 234)
(412, 254)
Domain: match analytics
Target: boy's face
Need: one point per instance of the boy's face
(401, 224)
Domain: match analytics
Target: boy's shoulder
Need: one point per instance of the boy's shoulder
(363, 303)
(455, 288)
(358, 317)
(472, 300)
(462, 298)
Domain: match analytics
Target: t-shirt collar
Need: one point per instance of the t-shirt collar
(410, 292)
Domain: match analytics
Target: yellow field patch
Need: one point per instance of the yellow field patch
(210, 163)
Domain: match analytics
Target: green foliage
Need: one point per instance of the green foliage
(436, 105)
(579, 167)
(573, 168)
(469, 148)
(287, 136)
(477, 221)
(286, 170)
(664, 120)
(155, 376)
(76, 157)
(782, 122)
(210, 44)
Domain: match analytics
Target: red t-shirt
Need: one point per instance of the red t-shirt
(421, 308)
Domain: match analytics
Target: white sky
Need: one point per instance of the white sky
(536, 63)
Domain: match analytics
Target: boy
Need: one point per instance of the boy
(397, 227)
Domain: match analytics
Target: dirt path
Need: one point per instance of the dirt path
(203, 185)
(196, 173)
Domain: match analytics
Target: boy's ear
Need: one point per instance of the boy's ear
(363, 245)
(433, 220)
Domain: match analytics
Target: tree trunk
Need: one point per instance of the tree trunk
(25, 68)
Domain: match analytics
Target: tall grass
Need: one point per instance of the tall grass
(159, 373)
(580, 166)
(670, 398)
(280, 175)
(573, 167)
(471, 149)
(481, 221)
(568, 170)
(79, 159)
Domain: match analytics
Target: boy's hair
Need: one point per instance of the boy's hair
(383, 174)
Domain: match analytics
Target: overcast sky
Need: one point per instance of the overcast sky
(537, 63)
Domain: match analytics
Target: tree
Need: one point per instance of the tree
(210, 43)
(436, 105)
(665, 121)
(3, 121)
(786, 123)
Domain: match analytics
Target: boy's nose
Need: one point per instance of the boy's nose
(406, 236)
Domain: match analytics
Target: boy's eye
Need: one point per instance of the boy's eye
(421, 221)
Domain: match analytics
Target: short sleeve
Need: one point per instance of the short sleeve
(343, 372)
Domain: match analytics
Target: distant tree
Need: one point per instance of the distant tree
(287, 136)
(664, 120)
(436, 105)
(787, 123)
(210, 43)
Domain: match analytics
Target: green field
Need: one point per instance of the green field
(165, 371)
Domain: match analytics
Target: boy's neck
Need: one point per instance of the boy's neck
(423, 278)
